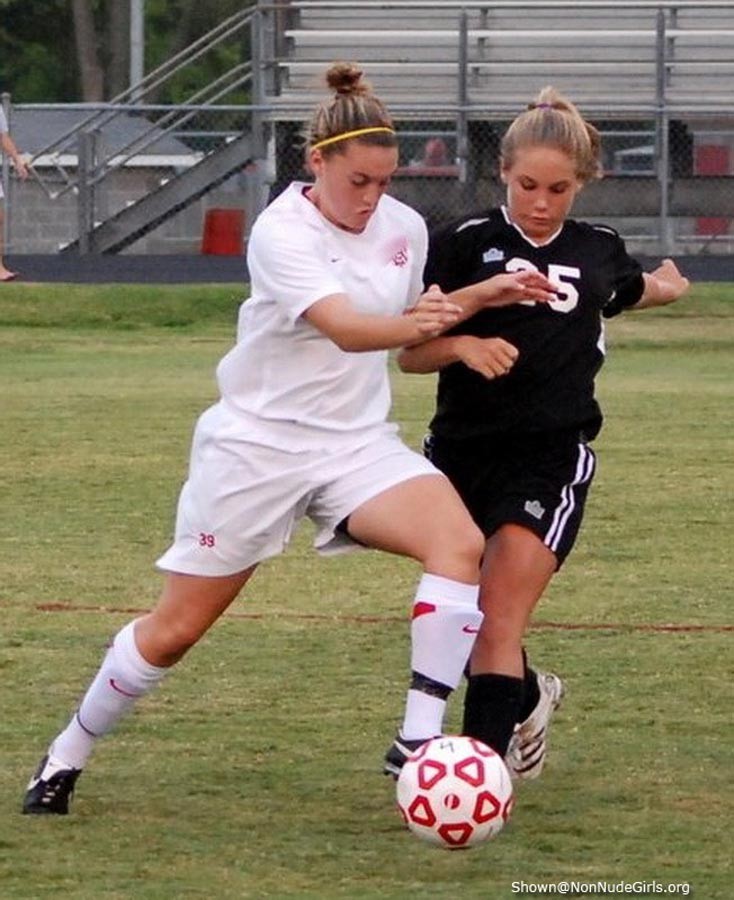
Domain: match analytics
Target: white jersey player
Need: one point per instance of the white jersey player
(301, 430)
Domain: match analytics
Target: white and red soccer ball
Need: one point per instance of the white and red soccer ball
(455, 792)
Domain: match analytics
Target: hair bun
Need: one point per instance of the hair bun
(346, 78)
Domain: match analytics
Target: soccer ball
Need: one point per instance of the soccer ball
(454, 792)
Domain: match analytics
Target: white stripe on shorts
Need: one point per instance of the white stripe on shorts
(583, 474)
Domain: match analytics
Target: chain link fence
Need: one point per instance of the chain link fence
(138, 177)
(687, 210)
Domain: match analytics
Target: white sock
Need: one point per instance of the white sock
(123, 677)
(446, 619)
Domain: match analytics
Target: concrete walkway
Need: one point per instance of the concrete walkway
(130, 269)
(193, 269)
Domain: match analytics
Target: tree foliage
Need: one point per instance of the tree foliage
(55, 51)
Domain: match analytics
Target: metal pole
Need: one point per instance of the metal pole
(257, 174)
(662, 136)
(85, 200)
(137, 44)
(462, 136)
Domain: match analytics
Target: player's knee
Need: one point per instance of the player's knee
(163, 641)
(468, 542)
(456, 548)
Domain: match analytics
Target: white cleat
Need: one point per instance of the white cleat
(526, 754)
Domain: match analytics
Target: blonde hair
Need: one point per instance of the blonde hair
(352, 108)
(553, 121)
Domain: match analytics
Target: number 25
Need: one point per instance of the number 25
(562, 276)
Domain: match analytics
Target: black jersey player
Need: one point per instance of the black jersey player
(516, 408)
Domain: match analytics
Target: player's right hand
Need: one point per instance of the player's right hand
(491, 357)
(516, 287)
(433, 312)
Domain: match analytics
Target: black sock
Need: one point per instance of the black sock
(491, 708)
(531, 694)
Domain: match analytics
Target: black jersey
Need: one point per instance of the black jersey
(561, 344)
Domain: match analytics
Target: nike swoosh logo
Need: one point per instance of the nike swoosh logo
(469, 629)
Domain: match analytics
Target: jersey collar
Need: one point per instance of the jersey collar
(506, 214)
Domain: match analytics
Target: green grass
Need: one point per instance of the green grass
(253, 771)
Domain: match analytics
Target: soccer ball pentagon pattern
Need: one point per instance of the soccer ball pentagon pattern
(455, 792)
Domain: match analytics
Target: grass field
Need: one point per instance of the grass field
(254, 771)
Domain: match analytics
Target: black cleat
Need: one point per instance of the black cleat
(50, 789)
(399, 751)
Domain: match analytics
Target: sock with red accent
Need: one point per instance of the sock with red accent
(123, 677)
(492, 704)
(444, 625)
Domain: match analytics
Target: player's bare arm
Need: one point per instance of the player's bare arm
(491, 357)
(354, 331)
(8, 146)
(504, 290)
(663, 285)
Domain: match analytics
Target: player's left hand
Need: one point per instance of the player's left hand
(670, 283)
(492, 357)
(516, 287)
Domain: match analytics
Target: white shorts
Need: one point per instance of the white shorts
(242, 500)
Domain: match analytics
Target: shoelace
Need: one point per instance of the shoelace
(53, 786)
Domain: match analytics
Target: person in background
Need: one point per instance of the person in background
(516, 411)
(301, 430)
(8, 147)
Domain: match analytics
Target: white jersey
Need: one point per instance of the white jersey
(290, 383)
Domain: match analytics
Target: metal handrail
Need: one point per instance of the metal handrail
(152, 80)
(500, 4)
(171, 120)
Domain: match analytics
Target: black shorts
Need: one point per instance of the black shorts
(540, 482)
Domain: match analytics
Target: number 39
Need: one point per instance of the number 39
(562, 276)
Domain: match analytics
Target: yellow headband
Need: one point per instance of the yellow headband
(350, 134)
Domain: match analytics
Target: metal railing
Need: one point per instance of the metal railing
(79, 164)
(172, 119)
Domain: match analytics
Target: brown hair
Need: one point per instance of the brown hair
(553, 121)
(353, 106)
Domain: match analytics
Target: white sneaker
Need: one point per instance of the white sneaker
(526, 754)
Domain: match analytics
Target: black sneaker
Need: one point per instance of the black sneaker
(50, 789)
(399, 751)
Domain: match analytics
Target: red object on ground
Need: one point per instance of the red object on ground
(223, 232)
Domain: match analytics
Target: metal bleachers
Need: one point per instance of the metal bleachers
(656, 76)
(624, 57)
